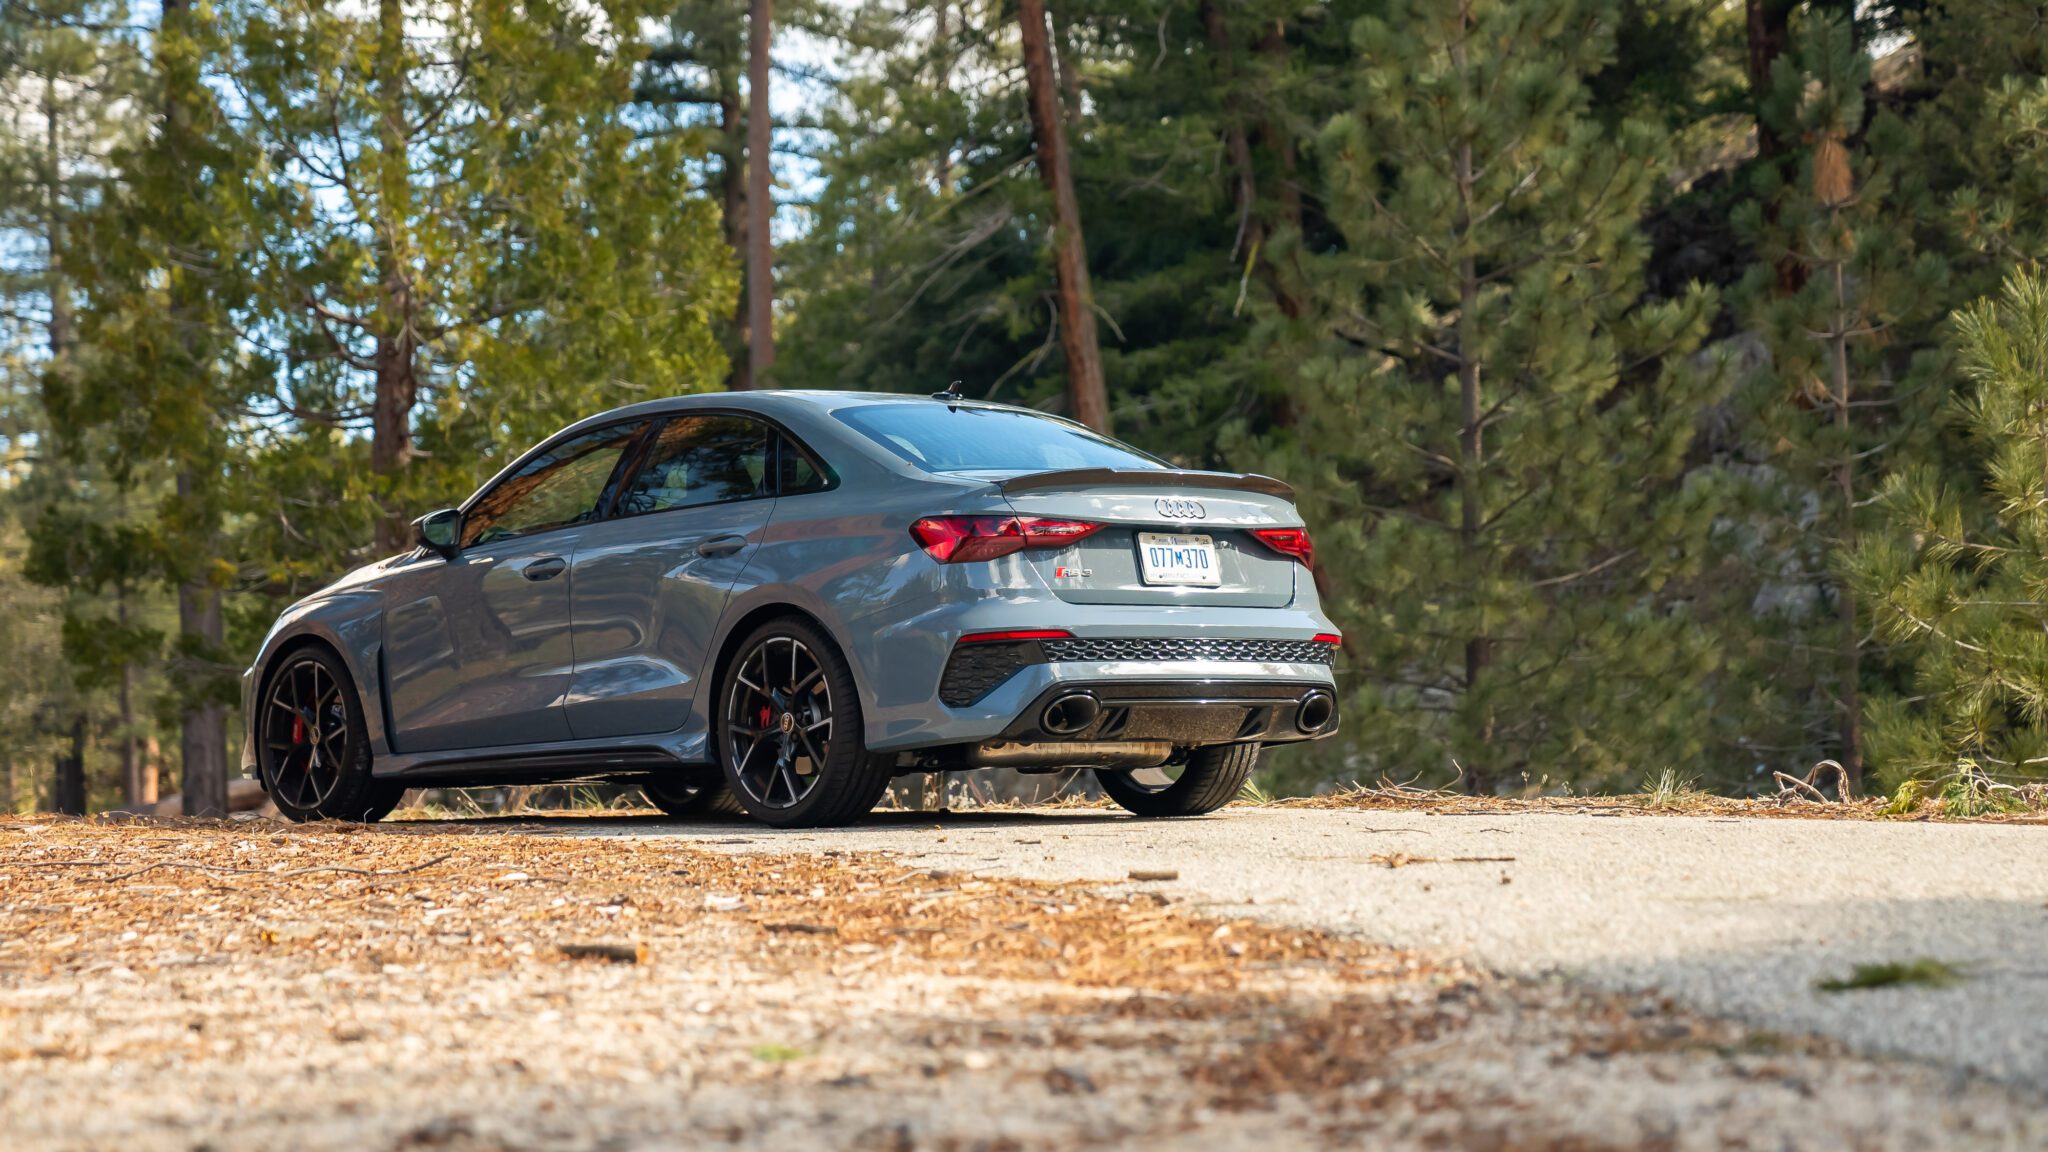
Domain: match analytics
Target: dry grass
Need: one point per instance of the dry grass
(1673, 801)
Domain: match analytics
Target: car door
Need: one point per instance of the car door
(478, 649)
(647, 586)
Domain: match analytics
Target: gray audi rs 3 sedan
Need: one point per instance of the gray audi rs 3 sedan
(775, 602)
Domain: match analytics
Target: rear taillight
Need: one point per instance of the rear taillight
(1014, 635)
(1289, 542)
(965, 539)
(1330, 638)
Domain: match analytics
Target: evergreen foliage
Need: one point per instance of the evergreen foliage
(1961, 577)
(1607, 342)
(1499, 421)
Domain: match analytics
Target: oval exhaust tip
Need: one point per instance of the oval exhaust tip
(1070, 714)
(1316, 711)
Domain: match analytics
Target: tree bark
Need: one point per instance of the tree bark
(69, 796)
(132, 786)
(396, 326)
(760, 197)
(58, 286)
(732, 191)
(1088, 396)
(942, 42)
(1768, 29)
(1850, 695)
(203, 736)
(1471, 454)
(203, 725)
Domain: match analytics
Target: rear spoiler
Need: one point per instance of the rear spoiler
(1146, 478)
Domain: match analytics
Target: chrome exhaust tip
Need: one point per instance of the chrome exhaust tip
(1069, 714)
(1315, 712)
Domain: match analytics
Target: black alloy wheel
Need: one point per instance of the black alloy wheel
(790, 731)
(313, 748)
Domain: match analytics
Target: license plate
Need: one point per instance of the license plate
(1171, 558)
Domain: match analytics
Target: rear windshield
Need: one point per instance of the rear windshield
(938, 438)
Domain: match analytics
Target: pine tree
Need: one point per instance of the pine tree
(1958, 576)
(156, 374)
(1844, 397)
(463, 241)
(1495, 423)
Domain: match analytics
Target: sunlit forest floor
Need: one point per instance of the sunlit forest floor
(241, 984)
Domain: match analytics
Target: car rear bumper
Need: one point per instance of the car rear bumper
(1181, 712)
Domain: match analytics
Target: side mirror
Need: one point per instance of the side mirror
(439, 532)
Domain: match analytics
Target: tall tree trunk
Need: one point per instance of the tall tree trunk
(732, 193)
(396, 325)
(1273, 55)
(59, 286)
(1088, 396)
(203, 736)
(203, 725)
(1237, 146)
(1471, 456)
(131, 742)
(1850, 695)
(1768, 28)
(942, 43)
(760, 196)
(69, 792)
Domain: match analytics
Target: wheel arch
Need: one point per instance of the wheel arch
(742, 624)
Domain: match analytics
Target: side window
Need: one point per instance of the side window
(800, 473)
(695, 460)
(559, 487)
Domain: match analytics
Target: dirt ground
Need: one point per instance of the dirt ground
(242, 984)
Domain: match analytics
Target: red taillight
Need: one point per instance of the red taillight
(1289, 542)
(964, 539)
(1016, 634)
(1330, 638)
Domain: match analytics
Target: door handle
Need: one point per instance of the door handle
(721, 545)
(545, 568)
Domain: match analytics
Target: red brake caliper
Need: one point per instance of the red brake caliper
(298, 729)
(764, 716)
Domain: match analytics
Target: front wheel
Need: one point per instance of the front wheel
(313, 747)
(789, 730)
(1210, 778)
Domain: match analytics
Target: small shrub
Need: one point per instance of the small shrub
(1925, 972)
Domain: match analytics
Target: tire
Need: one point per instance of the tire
(1211, 778)
(789, 730)
(688, 801)
(312, 745)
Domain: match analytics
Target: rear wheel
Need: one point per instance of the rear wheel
(692, 801)
(789, 730)
(1210, 778)
(313, 747)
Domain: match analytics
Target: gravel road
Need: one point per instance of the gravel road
(1735, 918)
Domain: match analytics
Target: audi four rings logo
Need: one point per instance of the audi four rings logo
(1175, 508)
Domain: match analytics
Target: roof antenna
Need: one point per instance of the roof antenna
(951, 395)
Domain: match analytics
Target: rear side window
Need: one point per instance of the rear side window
(694, 460)
(800, 473)
(939, 438)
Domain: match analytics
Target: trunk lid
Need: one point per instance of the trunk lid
(1105, 568)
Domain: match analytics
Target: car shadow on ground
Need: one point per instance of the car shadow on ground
(644, 823)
